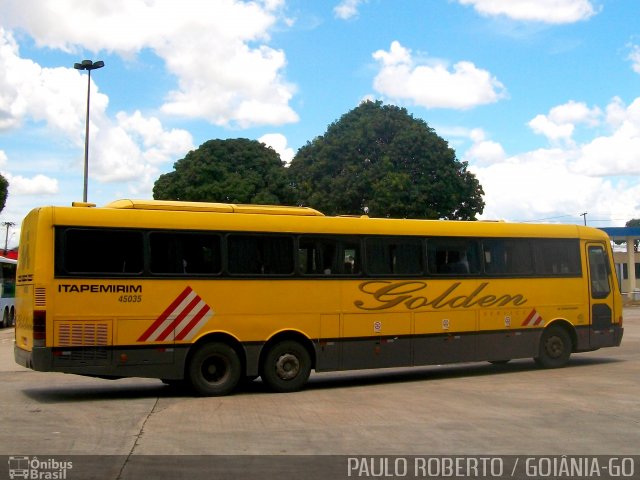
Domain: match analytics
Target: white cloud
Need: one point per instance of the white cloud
(347, 9)
(575, 112)
(543, 125)
(226, 72)
(541, 185)
(634, 56)
(483, 151)
(545, 11)
(37, 185)
(156, 144)
(133, 149)
(278, 142)
(28, 91)
(601, 176)
(560, 122)
(434, 85)
(616, 112)
(130, 148)
(618, 153)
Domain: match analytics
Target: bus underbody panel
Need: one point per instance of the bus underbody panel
(168, 362)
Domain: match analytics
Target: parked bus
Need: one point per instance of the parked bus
(7, 290)
(210, 294)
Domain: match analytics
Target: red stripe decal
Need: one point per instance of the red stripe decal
(194, 321)
(179, 318)
(529, 317)
(144, 337)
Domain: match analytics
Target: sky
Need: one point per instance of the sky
(540, 97)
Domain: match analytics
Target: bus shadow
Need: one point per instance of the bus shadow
(111, 390)
(363, 378)
(100, 392)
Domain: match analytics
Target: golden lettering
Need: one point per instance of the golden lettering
(414, 295)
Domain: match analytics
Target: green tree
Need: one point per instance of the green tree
(4, 191)
(379, 159)
(229, 171)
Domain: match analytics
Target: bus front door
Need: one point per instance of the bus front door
(601, 333)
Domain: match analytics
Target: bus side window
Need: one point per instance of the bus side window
(389, 256)
(328, 256)
(260, 254)
(185, 253)
(453, 256)
(557, 257)
(99, 251)
(505, 256)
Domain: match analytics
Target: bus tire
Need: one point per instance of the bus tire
(555, 348)
(286, 366)
(214, 369)
(5, 319)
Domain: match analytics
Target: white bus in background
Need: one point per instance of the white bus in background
(7, 291)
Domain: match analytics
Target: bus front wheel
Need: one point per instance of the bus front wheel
(214, 369)
(555, 348)
(286, 366)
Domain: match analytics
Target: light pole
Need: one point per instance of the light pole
(87, 65)
(6, 237)
(585, 218)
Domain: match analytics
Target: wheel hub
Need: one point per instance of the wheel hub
(287, 366)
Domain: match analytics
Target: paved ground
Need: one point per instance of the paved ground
(591, 407)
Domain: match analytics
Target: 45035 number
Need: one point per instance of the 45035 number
(130, 298)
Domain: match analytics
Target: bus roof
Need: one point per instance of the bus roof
(160, 214)
(212, 207)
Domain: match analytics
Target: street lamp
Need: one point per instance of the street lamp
(6, 237)
(87, 65)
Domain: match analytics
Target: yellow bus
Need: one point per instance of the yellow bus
(208, 295)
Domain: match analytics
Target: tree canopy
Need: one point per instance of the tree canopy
(375, 159)
(378, 159)
(229, 171)
(4, 191)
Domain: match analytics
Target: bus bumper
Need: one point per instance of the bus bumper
(38, 359)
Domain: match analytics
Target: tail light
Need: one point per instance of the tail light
(39, 328)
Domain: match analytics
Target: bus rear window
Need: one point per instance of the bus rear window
(99, 252)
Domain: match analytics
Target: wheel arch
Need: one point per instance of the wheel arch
(567, 327)
(293, 335)
(220, 337)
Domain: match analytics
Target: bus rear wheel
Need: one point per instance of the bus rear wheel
(555, 348)
(214, 369)
(286, 366)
